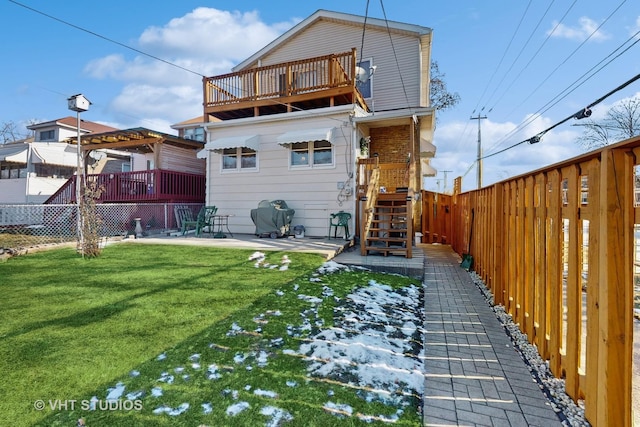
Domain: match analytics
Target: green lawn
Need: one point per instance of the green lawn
(73, 328)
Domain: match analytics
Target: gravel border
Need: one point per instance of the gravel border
(570, 413)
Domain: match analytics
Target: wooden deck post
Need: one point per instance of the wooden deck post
(615, 290)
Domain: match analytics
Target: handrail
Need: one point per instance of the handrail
(372, 195)
(151, 185)
(283, 79)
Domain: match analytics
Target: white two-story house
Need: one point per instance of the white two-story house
(331, 116)
(32, 170)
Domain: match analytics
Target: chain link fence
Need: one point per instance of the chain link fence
(25, 226)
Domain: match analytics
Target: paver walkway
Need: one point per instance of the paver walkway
(474, 376)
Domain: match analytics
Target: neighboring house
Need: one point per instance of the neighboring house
(309, 117)
(32, 170)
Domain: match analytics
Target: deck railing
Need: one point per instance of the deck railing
(281, 80)
(152, 185)
(557, 249)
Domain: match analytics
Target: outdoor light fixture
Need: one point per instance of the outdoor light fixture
(79, 104)
(582, 114)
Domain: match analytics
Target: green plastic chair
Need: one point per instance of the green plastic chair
(339, 219)
(205, 218)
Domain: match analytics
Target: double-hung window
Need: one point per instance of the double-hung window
(240, 158)
(313, 153)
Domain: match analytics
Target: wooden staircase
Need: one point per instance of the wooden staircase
(389, 228)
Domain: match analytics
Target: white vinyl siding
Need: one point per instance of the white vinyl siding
(324, 38)
(238, 193)
(311, 154)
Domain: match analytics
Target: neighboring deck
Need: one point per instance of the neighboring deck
(141, 186)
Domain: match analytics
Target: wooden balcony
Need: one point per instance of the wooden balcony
(318, 82)
(143, 186)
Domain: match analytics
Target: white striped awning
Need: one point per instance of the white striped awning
(427, 169)
(251, 141)
(14, 153)
(55, 153)
(427, 149)
(306, 135)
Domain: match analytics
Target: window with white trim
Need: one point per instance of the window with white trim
(316, 153)
(240, 158)
(196, 134)
(365, 87)
(48, 135)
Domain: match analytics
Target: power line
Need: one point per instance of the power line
(586, 112)
(576, 84)
(504, 54)
(395, 55)
(571, 54)
(513, 63)
(77, 27)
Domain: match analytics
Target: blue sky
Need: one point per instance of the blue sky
(525, 65)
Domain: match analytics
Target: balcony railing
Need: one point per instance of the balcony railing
(153, 185)
(289, 82)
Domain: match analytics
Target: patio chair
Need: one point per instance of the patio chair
(339, 219)
(204, 219)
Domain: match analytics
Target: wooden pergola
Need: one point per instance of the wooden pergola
(138, 140)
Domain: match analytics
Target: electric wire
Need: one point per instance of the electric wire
(513, 63)
(536, 138)
(504, 54)
(572, 87)
(570, 55)
(538, 112)
(77, 27)
(395, 55)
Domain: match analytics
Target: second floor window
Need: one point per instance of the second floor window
(196, 134)
(316, 153)
(240, 158)
(48, 135)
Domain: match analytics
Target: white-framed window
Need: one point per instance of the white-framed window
(196, 134)
(241, 158)
(310, 154)
(48, 135)
(366, 87)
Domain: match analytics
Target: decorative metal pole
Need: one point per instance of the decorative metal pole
(79, 103)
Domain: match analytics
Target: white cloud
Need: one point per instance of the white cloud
(457, 151)
(586, 28)
(205, 42)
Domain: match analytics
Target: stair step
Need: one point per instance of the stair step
(387, 239)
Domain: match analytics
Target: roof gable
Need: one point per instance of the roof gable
(72, 122)
(329, 16)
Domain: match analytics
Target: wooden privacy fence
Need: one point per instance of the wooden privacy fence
(557, 248)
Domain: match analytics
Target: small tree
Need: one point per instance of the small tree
(90, 220)
(622, 121)
(439, 97)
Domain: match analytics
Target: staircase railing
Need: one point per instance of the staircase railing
(369, 207)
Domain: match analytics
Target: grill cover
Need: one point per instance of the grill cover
(272, 218)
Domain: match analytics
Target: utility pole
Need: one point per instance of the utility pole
(445, 180)
(478, 118)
